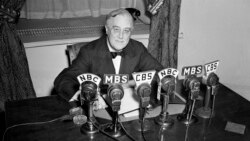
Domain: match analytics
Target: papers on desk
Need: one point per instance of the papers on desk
(130, 105)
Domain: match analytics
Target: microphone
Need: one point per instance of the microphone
(168, 85)
(153, 8)
(89, 95)
(212, 83)
(144, 91)
(192, 84)
(88, 91)
(116, 93)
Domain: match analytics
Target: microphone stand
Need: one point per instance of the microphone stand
(212, 85)
(187, 117)
(88, 127)
(114, 129)
(143, 124)
(88, 94)
(163, 119)
(205, 111)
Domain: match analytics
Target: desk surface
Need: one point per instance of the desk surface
(229, 107)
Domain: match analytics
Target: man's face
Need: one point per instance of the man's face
(119, 30)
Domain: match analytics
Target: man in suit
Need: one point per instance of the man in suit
(96, 57)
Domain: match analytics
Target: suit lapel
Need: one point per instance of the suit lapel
(105, 63)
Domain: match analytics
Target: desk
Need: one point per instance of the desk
(229, 107)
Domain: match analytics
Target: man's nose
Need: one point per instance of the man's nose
(121, 34)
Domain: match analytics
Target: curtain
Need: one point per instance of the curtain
(56, 9)
(164, 30)
(15, 80)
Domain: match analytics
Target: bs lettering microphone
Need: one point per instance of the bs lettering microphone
(116, 93)
(168, 85)
(211, 81)
(144, 91)
(192, 85)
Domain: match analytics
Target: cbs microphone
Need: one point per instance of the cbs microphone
(143, 91)
(212, 84)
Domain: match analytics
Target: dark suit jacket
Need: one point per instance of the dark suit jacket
(95, 58)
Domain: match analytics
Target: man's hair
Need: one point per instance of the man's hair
(120, 11)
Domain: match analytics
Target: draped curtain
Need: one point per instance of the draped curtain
(56, 9)
(164, 30)
(15, 80)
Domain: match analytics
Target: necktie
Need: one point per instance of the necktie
(114, 54)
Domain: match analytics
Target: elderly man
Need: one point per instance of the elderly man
(96, 57)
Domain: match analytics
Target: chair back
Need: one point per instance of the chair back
(73, 50)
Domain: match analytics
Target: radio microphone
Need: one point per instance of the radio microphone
(192, 85)
(88, 95)
(116, 93)
(168, 85)
(88, 91)
(211, 81)
(144, 91)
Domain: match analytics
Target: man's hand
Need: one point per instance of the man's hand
(130, 84)
(99, 104)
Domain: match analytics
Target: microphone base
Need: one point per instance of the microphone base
(138, 127)
(183, 119)
(112, 131)
(164, 121)
(89, 129)
(204, 112)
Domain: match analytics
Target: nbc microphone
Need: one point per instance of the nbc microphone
(168, 85)
(88, 91)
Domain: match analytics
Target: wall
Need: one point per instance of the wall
(218, 30)
(210, 30)
(48, 58)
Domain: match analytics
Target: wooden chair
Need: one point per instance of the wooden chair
(73, 50)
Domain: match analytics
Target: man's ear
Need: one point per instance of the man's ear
(106, 29)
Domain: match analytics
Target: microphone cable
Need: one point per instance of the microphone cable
(34, 123)
(210, 119)
(103, 132)
(125, 130)
(142, 123)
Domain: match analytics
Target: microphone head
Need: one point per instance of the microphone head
(144, 91)
(168, 84)
(116, 93)
(89, 91)
(212, 79)
(193, 84)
